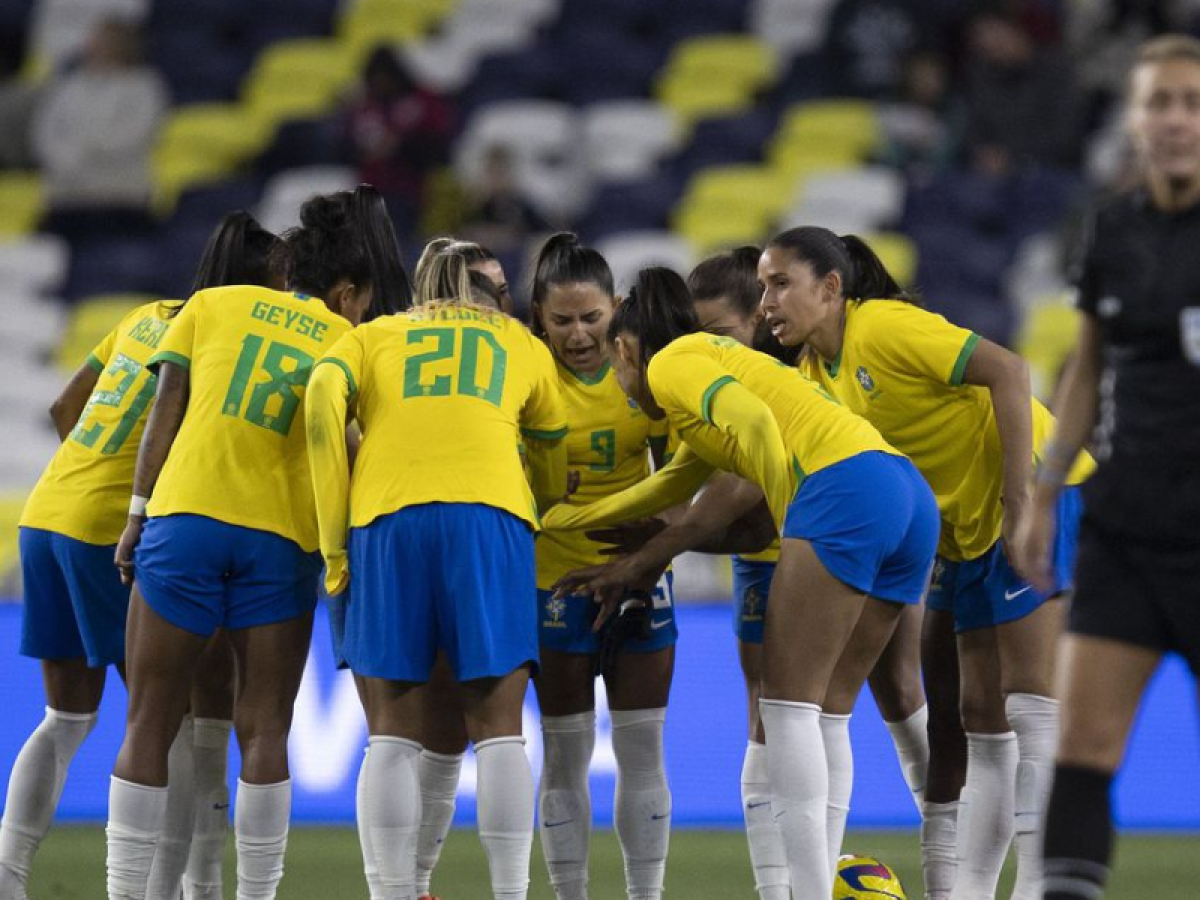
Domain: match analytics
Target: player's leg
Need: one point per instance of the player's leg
(638, 689)
(947, 753)
(212, 724)
(1027, 649)
(896, 686)
(566, 697)
(270, 665)
(161, 661)
(444, 742)
(1101, 683)
(493, 708)
(51, 631)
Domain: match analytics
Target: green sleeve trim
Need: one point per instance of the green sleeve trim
(345, 370)
(543, 435)
(960, 365)
(167, 356)
(798, 472)
(93, 361)
(706, 401)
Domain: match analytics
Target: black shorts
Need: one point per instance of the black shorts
(1138, 594)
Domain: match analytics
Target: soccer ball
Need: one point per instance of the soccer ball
(866, 878)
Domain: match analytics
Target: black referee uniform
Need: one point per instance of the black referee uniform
(1138, 575)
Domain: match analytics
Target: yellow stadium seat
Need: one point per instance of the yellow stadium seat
(801, 161)
(368, 23)
(1047, 337)
(759, 187)
(203, 143)
(701, 96)
(850, 127)
(739, 58)
(298, 78)
(90, 321)
(712, 227)
(897, 253)
(22, 203)
(11, 506)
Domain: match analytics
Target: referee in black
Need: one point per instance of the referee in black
(1135, 383)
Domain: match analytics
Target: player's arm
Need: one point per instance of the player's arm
(162, 425)
(674, 483)
(68, 406)
(1006, 377)
(326, 402)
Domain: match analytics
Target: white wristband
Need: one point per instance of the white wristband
(137, 505)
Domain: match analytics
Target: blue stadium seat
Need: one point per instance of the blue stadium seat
(114, 265)
(629, 206)
(599, 65)
(303, 142)
(199, 66)
(525, 75)
(207, 204)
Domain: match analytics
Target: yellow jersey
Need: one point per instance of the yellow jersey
(901, 368)
(443, 394)
(608, 445)
(84, 492)
(817, 431)
(240, 455)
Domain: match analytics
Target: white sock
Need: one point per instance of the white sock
(393, 813)
(171, 853)
(438, 774)
(642, 808)
(939, 839)
(210, 825)
(839, 758)
(370, 870)
(799, 791)
(911, 737)
(1035, 720)
(504, 806)
(135, 820)
(564, 801)
(260, 831)
(34, 786)
(767, 855)
(985, 814)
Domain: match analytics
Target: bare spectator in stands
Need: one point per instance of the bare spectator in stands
(1024, 106)
(500, 216)
(868, 41)
(93, 134)
(397, 131)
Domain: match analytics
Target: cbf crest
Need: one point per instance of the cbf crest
(752, 605)
(1189, 333)
(556, 608)
(865, 379)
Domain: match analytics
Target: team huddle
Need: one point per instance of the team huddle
(460, 479)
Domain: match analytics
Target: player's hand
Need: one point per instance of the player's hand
(130, 538)
(631, 622)
(627, 537)
(337, 573)
(1032, 545)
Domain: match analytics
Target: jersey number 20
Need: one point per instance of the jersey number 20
(466, 380)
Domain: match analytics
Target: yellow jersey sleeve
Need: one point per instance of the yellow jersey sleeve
(330, 391)
(904, 337)
(542, 416)
(740, 414)
(99, 357)
(684, 378)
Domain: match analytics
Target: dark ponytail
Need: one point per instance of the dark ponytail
(657, 310)
(863, 274)
(392, 291)
(732, 277)
(563, 260)
(328, 246)
(239, 251)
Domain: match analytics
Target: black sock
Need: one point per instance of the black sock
(1079, 834)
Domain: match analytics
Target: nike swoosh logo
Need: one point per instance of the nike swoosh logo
(657, 625)
(556, 824)
(1009, 595)
(757, 805)
(220, 806)
(658, 818)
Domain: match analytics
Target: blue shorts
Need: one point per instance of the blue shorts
(201, 574)
(75, 604)
(873, 522)
(987, 591)
(565, 624)
(751, 587)
(337, 626)
(449, 576)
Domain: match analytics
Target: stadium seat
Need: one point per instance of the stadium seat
(22, 203)
(849, 201)
(285, 192)
(1046, 338)
(114, 263)
(848, 127)
(641, 205)
(710, 227)
(601, 65)
(202, 143)
(790, 26)
(897, 253)
(625, 139)
(713, 75)
(29, 328)
(298, 79)
(742, 186)
(35, 264)
(366, 24)
(630, 251)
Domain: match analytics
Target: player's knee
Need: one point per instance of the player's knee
(982, 714)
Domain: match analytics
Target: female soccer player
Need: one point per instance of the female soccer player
(479, 259)
(449, 387)
(725, 293)
(231, 535)
(610, 446)
(1136, 373)
(858, 523)
(75, 605)
(960, 408)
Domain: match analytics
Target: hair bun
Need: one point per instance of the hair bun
(324, 213)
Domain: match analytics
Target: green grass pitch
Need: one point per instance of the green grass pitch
(323, 863)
